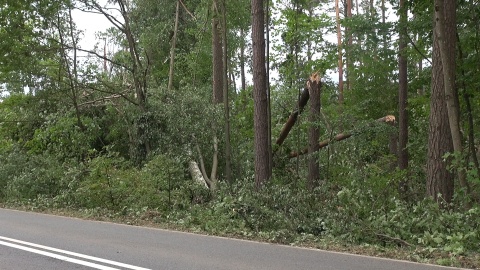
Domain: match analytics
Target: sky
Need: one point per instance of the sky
(91, 24)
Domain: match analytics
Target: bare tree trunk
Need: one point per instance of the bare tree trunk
(314, 87)
(340, 56)
(263, 170)
(403, 100)
(172, 51)
(210, 182)
(196, 173)
(349, 46)
(213, 172)
(242, 61)
(468, 105)
(217, 53)
(228, 150)
(71, 71)
(384, 17)
(267, 60)
(445, 28)
(440, 182)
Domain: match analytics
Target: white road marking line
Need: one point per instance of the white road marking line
(59, 257)
(53, 255)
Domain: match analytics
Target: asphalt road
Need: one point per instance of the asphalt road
(36, 241)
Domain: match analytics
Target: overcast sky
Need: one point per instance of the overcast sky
(91, 24)
(94, 23)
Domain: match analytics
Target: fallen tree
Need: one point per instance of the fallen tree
(389, 119)
(292, 119)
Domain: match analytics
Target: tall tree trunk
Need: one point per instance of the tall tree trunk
(263, 170)
(340, 56)
(445, 28)
(269, 109)
(314, 88)
(466, 97)
(217, 55)
(402, 99)
(172, 51)
(228, 149)
(384, 35)
(242, 61)
(349, 46)
(71, 71)
(439, 178)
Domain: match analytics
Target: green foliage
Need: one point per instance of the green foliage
(115, 185)
(25, 177)
(361, 219)
(63, 136)
(24, 27)
(85, 148)
(299, 41)
(21, 115)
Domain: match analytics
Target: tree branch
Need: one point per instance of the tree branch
(202, 163)
(390, 119)
(112, 93)
(95, 6)
(418, 50)
(186, 9)
(394, 239)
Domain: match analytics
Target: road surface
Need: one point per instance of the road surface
(31, 241)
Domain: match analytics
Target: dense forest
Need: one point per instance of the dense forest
(308, 122)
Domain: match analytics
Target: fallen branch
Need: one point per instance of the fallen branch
(396, 240)
(293, 117)
(389, 119)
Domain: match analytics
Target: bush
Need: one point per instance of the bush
(114, 184)
(26, 177)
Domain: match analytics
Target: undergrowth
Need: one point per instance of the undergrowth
(361, 214)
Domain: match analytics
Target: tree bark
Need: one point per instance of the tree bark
(445, 28)
(217, 55)
(196, 173)
(349, 46)
(262, 163)
(439, 179)
(267, 64)
(468, 105)
(314, 88)
(174, 44)
(228, 149)
(340, 56)
(242, 61)
(211, 182)
(403, 99)
(302, 102)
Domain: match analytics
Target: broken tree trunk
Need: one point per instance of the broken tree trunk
(293, 117)
(314, 87)
(196, 173)
(389, 119)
